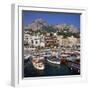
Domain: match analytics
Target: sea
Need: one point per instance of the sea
(50, 70)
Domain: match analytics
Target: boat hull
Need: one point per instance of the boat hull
(53, 63)
(39, 67)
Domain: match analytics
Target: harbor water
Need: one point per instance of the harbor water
(50, 70)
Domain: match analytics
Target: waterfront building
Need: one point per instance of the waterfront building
(74, 42)
(60, 40)
(69, 41)
(51, 41)
(26, 38)
(65, 42)
(36, 41)
(33, 41)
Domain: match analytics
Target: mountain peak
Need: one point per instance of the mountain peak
(39, 20)
(39, 24)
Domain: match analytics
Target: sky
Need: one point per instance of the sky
(51, 18)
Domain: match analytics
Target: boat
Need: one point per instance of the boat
(54, 61)
(74, 66)
(78, 57)
(38, 63)
(26, 57)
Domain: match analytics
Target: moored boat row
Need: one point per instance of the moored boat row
(52, 58)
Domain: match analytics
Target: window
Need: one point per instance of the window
(32, 41)
(36, 42)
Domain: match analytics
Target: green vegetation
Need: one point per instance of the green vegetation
(45, 30)
(69, 34)
(65, 32)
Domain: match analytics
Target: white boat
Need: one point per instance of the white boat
(39, 66)
(54, 61)
(78, 57)
(26, 57)
(38, 63)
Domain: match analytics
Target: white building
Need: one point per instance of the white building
(69, 41)
(60, 40)
(26, 38)
(72, 41)
(34, 41)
